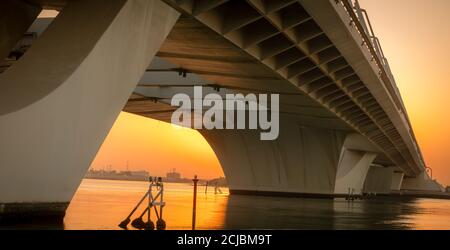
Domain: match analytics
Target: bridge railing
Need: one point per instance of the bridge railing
(361, 22)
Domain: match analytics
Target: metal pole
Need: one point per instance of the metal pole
(150, 196)
(194, 206)
(161, 200)
(124, 223)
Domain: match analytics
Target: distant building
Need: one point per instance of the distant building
(447, 189)
(114, 175)
(173, 175)
(139, 173)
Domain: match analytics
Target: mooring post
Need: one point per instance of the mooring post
(194, 206)
(149, 205)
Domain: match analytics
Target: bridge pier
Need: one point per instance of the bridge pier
(352, 171)
(380, 180)
(397, 180)
(303, 161)
(59, 101)
(421, 183)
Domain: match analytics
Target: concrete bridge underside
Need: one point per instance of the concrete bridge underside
(343, 124)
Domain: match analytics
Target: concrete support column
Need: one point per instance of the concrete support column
(357, 155)
(352, 171)
(58, 103)
(423, 182)
(379, 180)
(301, 162)
(397, 180)
(15, 18)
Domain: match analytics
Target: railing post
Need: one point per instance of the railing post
(361, 18)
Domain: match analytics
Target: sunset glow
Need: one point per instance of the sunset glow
(415, 38)
(157, 147)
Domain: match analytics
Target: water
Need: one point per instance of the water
(103, 204)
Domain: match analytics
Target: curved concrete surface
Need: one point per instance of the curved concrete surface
(302, 161)
(58, 103)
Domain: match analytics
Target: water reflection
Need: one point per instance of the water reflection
(385, 213)
(101, 204)
(249, 212)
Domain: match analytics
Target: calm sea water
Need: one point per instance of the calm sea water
(102, 204)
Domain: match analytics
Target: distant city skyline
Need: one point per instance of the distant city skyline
(111, 167)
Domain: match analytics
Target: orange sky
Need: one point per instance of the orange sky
(415, 36)
(157, 147)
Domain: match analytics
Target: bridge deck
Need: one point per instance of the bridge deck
(289, 46)
(252, 43)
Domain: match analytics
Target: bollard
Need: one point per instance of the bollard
(194, 206)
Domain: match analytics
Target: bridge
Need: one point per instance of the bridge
(343, 125)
